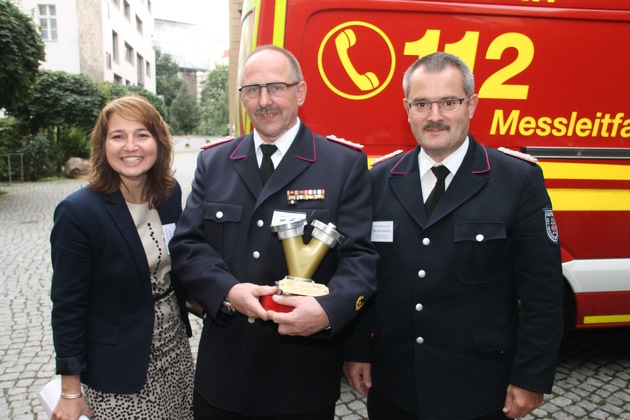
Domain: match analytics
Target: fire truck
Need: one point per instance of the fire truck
(553, 80)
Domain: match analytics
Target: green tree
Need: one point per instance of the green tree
(21, 50)
(42, 156)
(61, 99)
(184, 112)
(167, 81)
(63, 103)
(115, 90)
(214, 103)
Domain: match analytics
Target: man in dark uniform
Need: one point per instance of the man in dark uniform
(466, 322)
(253, 361)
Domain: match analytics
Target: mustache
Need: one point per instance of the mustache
(267, 110)
(436, 126)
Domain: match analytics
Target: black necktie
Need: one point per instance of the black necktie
(266, 167)
(440, 172)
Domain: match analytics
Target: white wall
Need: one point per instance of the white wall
(62, 54)
(84, 39)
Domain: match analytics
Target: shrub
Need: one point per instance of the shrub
(41, 156)
(11, 140)
(76, 143)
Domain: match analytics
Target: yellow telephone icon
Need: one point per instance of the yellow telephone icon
(343, 42)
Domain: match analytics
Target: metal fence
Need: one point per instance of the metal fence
(9, 170)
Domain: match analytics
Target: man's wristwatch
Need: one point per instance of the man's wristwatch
(227, 308)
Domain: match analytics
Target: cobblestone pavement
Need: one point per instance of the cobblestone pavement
(592, 382)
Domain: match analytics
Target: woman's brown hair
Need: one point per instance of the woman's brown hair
(102, 178)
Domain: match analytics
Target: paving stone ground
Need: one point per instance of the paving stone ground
(592, 381)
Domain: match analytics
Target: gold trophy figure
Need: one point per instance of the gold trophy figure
(302, 259)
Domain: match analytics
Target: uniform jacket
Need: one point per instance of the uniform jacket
(448, 335)
(103, 308)
(224, 237)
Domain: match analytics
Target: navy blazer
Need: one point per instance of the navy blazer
(224, 238)
(470, 299)
(103, 309)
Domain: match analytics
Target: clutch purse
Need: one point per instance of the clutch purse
(49, 395)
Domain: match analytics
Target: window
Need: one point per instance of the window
(118, 79)
(140, 70)
(127, 10)
(115, 46)
(48, 21)
(148, 69)
(108, 60)
(139, 25)
(149, 6)
(128, 53)
(116, 3)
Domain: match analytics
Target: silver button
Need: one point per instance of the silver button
(419, 307)
(479, 237)
(419, 340)
(219, 215)
(256, 254)
(426, 241)
(422, 274)
(260, 223)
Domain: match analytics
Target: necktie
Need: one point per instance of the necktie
(440, 172)
(266, 167)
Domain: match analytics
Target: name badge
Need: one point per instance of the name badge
(382, 231)
(283, 217)
(168, 230)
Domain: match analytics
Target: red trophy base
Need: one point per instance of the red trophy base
(269, 304)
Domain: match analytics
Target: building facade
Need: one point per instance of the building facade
(107, 40)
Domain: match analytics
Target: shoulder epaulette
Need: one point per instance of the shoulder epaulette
(225, 140)
(355, 146)
(386, 157)
(519, 155)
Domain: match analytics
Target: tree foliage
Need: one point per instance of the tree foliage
(62, 99)
(42, 155)
(114, 90)
(214, 106)
(21, 50)
(184, 112)
(167, 81)
(62, 102)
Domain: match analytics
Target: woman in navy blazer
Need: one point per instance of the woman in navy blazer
(120, 325)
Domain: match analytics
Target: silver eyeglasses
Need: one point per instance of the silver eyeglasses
(275, 89)
(445, 105)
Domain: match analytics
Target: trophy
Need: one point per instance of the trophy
(302, 259)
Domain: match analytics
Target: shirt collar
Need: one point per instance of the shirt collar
(452, 161)
(283, 142)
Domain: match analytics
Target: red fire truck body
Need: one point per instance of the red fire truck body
(553, 81)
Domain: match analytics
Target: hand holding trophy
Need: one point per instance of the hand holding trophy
(302, 259)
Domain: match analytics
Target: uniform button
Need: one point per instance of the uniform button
(479, 237)
(260, 223)
(422, 274)
(419, 307)
(419, 340)
(426, 241)
(219, 215)
(256, 254)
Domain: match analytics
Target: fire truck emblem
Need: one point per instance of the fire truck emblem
(551, 226)
(346, 64)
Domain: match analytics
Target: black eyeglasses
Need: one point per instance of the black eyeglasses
(445, 105)
(275, 89)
